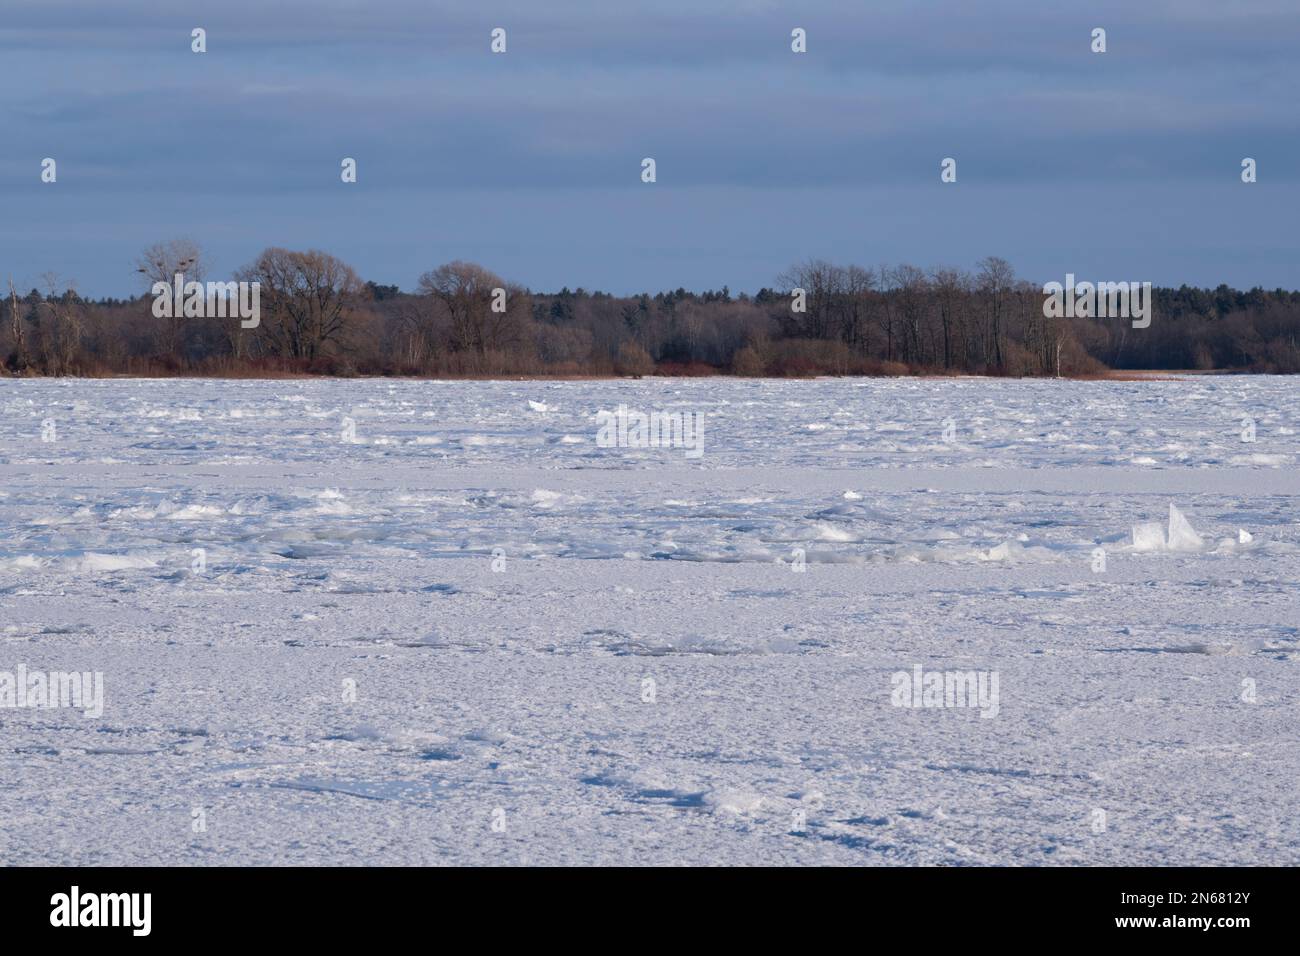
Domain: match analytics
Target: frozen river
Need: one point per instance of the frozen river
(421, 622)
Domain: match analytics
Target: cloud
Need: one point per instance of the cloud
(410, 89)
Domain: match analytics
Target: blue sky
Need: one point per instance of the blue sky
(1123, 165)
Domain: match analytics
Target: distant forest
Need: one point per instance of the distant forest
(318, 317)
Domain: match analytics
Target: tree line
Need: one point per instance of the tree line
(317, 316)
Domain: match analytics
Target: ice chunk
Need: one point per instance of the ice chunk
(1182, 536)
(738, 802)
(1149, 536)
(1244, 536)
(1006, 551)
(93, 562)
(828, 532)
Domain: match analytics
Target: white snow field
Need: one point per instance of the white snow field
(563, 653)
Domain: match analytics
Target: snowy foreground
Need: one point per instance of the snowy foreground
(429, 622)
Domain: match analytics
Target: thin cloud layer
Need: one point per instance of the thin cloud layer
(240, 147)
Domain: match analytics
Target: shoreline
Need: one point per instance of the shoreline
(1115, 375)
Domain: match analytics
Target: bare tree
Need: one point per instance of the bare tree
(419, 334)
(162, 262)
(60, 326)
(996, 279)
(485, 315)
(18, 360)
(857, 290)
(309, 300)
(911, 292)
(886, 315)
(821, 282)
(950, 287)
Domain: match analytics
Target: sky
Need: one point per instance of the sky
(1123, 165)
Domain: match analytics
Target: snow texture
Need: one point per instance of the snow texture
(563, 653)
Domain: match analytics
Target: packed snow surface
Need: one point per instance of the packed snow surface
(400, 622)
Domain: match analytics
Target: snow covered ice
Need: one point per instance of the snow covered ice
(396, 622)
(1180, 536)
